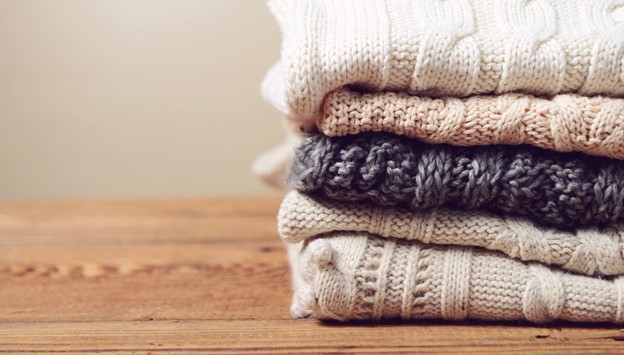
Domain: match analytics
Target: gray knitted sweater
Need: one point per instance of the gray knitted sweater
(556, 189)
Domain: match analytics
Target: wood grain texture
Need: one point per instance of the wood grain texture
(189, 276)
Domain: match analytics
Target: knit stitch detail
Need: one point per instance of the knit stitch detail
(456, 286)
(555, 189)
(544, 296)
(619, 315)
(592, 125)
(369, 281)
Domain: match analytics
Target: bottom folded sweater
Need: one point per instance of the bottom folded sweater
(360, 276)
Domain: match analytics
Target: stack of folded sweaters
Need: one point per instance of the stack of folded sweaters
(457, 159)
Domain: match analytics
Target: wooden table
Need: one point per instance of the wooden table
(189, 276)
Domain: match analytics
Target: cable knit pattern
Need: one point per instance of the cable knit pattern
(592, 125)
(557, 189)
(590, 251)
(449, 47)
(357, 276)
(534, 60)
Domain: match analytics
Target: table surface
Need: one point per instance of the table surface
(201, 275)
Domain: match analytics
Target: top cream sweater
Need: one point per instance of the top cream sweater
(449, 48)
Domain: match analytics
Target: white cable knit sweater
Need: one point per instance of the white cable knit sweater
(450, 47)
(349, 275)
(590, 251)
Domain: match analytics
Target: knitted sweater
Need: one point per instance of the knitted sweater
(590, 251)
(592, 125)
(558, 189)
(347, 276)
(449, 48)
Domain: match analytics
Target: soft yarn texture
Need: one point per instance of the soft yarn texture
(590, 251)
(568, 122)
(557, 189)
(449, 47)
(357, 276)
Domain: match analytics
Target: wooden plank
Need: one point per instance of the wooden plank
(188, 276)
(229, 219)
(288, 336)
(162, 281)
(218, 259)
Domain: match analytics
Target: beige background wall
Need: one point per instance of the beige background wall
(134, 98)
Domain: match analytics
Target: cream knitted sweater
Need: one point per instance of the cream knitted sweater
(348, 275)
(449, 48)
(589, 251)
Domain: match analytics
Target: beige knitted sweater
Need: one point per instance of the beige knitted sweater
(587, 251)
(565, 123)
(449, 47)
(355, 275)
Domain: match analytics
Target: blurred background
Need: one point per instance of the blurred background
(134, 98)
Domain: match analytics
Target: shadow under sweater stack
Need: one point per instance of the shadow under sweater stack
(462, 158)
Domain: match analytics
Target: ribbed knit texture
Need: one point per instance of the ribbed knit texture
(357, 276)
(566, 123)
(449, 48)
(590, 251)
(557, 189)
